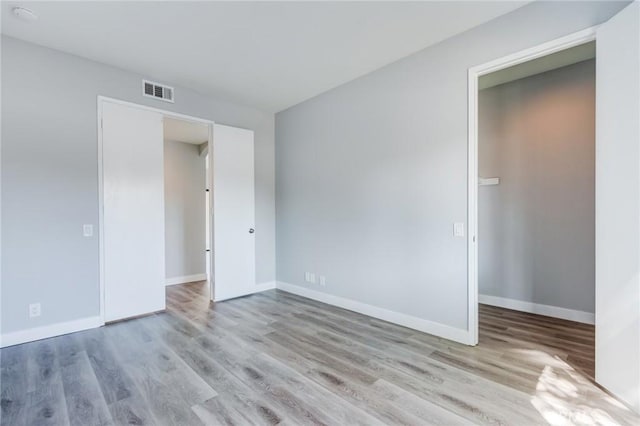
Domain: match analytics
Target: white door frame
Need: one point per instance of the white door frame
(101, 101)
(475, 72)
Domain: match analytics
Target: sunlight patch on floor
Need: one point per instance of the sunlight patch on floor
(560, 403)
(540, 357)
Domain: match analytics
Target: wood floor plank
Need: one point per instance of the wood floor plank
(41, 364)
(318, 396)
(144, 364)
(13, 385)
(114, 381)
(85, 403)
(426, 411)
(223, 410)
(301, 345)
(47, 404)
(132, 410)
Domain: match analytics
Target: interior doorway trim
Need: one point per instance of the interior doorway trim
(101, 100)
(474, 73)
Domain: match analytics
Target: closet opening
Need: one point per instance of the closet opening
(536, 206)
(187, 208)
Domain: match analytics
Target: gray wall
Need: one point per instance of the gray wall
(536, 228)
(50, 177)
(184, 209)
(372, 175)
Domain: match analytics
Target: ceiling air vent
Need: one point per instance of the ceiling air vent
(157, 91)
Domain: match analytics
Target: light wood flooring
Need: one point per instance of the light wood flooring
(276, 358)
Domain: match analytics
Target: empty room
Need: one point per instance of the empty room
(338, 213)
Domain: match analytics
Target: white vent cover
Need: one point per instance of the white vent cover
(157, 91)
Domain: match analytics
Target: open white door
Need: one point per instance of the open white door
(133, 211)
(618, 205)
(233, 212)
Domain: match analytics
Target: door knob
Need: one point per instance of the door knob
(251, 230)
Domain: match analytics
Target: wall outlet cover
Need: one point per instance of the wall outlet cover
(87, 230)
(34, 310)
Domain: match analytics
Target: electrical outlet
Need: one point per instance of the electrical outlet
(310, 277)
(34, 310)
(323, 280)
(87, 230)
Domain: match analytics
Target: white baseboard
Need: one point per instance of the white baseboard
(186, 279)
(267, 285)
(420, 324)
(53, 330)
(536, 308)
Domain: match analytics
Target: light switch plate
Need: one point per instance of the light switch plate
(87, 230)
(458, 229)
(34, 310)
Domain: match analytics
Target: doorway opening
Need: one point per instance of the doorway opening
(187, 205)
(532, 200)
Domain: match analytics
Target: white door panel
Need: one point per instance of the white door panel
(133, 219)
(233, 212)
(618, 205)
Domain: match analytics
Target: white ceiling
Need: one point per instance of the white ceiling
(270, 55)
(185, 131)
